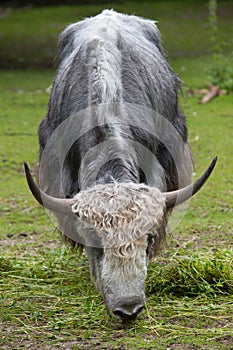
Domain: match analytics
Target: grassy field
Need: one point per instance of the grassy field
(28, 36)
(46, 298)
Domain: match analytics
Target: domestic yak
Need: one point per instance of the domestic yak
(114, 156)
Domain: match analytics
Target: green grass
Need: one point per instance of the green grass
(46, 295)
(184, 26)
(46, 298)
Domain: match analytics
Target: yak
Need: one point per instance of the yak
(114, 157)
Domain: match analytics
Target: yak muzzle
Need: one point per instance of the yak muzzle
(128, 312)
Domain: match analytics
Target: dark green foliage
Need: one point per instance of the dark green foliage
(220, 71)
(210, 273)
(35, 3)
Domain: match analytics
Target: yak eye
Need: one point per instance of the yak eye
(150, 240)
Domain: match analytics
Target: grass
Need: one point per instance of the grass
(46, 298)
(46, 312)
(184, 26)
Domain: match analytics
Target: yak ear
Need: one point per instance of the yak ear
(59, 205)
(177, 197)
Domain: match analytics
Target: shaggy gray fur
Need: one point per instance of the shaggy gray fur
(113, 117)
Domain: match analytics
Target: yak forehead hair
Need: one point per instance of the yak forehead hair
(122, 214)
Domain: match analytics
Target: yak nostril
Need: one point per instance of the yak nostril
(128, 312)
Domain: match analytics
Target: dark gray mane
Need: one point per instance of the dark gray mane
(113, 59)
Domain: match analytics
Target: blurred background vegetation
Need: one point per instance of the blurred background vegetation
(29, 29)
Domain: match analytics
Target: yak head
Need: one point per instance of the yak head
(125, 223)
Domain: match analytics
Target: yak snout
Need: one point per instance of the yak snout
(128, 312)
(128, 307)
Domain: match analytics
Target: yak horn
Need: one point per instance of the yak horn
(177, 197)
(60, 205)
(63, 205)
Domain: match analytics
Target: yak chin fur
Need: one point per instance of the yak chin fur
(123, 214)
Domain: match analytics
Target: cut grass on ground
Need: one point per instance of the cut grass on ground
(47, 299)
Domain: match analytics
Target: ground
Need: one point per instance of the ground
(47, 299)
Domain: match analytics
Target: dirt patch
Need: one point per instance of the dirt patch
(29, 242)
(227, 340)
(5, 12)
(68, 345)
